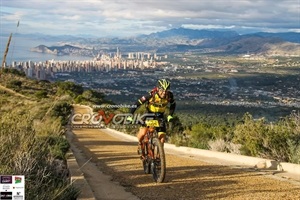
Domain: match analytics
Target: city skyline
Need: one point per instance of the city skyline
(131, 18)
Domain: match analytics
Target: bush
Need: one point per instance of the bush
(41, 94)
(279, 141)
(15, 84)
(79, 99)
(218, 145)
(224, 146)
(14, 71)
(178, 140)
(250, 135)
(58, 146)
(63, 111)
(200, 134)
(69, 88)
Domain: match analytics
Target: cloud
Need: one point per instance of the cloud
(125, 18)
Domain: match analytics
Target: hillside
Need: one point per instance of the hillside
(261, 45)
(34, 118)
(31, 137)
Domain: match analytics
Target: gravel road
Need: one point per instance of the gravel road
(186, 178)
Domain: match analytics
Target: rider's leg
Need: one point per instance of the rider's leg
(162, 138)
(162, 134)
(141, 134)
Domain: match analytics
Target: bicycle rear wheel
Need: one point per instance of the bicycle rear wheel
(158, 164)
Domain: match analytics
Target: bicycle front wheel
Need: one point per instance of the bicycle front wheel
(158, 165)
(147, 160)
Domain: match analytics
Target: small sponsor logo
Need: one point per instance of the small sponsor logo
(18, 187)
(6, 179)
(5, 187)
(18, 197)
(18, 179)
(5, 195)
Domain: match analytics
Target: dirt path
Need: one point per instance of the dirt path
(186, 178)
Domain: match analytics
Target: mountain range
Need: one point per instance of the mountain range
(183, 40)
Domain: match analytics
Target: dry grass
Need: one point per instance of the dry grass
(31, 143)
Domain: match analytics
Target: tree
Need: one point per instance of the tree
(250, 135)
(88, 94)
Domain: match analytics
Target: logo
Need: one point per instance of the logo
(101, 119)
(6, 179)
(5, 195)
(18, 187)
(18, 180)
(18, 196)
(6, 187)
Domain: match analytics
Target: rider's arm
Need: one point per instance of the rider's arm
(140, 102)
(172, 104)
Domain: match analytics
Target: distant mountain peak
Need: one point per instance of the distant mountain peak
(193, 33)
(182, 40)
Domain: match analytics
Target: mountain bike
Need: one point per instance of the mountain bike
(153, 157)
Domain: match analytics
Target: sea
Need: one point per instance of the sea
(19, 50)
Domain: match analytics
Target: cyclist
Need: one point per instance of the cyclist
(156, 102)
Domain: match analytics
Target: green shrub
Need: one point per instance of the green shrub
(279, 141)
(69, 88)
(14, 71)
(200, 134)
(41, 94)
(58, 146)
(294, 151)
(79, 99)
(63, 111)
(250, 135)
(15, 84)
(178, 140)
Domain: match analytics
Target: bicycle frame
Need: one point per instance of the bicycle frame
(154, 157)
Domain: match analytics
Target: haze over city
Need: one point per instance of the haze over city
(130, 18)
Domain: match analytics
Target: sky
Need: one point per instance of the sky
(126, 18)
